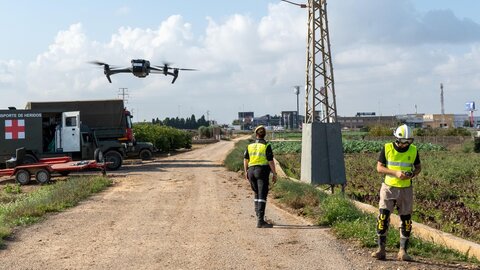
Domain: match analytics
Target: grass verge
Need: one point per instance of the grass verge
(347, 222)
(339, 213)
(31, 207)
(234, 160)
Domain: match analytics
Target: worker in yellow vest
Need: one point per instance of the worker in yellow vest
(399, 161)
(258, 163)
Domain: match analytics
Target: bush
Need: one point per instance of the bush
(380, 131)
(442, 132)
(164, 138)
(476, 147)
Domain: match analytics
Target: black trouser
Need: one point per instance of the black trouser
(258, 177)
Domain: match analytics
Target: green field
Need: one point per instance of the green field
(446, 192)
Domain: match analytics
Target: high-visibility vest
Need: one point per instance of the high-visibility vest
(398, 161)
(257, 153)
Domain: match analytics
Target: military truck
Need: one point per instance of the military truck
(142, 150)
(80, 129)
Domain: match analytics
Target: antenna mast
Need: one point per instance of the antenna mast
(442, 124)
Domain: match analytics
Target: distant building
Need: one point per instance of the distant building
(438, 120)
(412, 120)
(361, 121)
(459, 120)
(266, 120)
(245, 119)
(289, 120)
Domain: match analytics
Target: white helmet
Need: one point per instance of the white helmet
(403, 132)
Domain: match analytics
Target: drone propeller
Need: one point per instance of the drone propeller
(106, 68)
(165, 69)
(98, 63)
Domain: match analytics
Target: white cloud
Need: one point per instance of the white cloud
(393, 22)
(385, 54)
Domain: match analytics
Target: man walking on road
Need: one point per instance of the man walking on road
(258, 163)
(399, 162)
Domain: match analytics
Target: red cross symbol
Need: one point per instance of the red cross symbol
(14, 129)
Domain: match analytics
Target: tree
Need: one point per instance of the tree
(181, 123)
(203, 122)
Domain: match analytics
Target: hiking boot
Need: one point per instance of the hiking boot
(380, 254)
(403, 255)
(263, 224)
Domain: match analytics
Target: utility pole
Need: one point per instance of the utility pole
(123, 92)
(442, 104)
(320, 91)
(296, 91)
(322, 150)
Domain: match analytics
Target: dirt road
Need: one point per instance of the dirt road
(182, 212)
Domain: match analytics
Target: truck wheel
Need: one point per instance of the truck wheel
(29, 159)
(114, 159)
(42, 176)
(98, 155)
(22, 177)
(145, 154)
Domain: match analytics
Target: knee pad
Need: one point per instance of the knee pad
(383, 220)
(406, 227)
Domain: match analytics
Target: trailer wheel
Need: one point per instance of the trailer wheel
(114, 159)
(22, 177)
(145, 154)
(42, 176)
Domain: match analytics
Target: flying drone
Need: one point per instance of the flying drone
(140, 68)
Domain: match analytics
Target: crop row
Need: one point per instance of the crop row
(349, 146)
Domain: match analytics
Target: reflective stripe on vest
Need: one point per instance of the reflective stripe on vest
(257, 153)
(398, 161)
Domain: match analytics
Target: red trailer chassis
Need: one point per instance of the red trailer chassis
(44, 169)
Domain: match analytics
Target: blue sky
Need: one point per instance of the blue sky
(390, 56)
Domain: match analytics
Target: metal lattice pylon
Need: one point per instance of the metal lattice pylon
(320, 104)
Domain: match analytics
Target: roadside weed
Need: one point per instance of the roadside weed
(12, 189)
(50, 198)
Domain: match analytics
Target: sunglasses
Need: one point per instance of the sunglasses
(405, 141)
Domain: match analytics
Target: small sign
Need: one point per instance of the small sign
(470, 106)
(365, 113)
